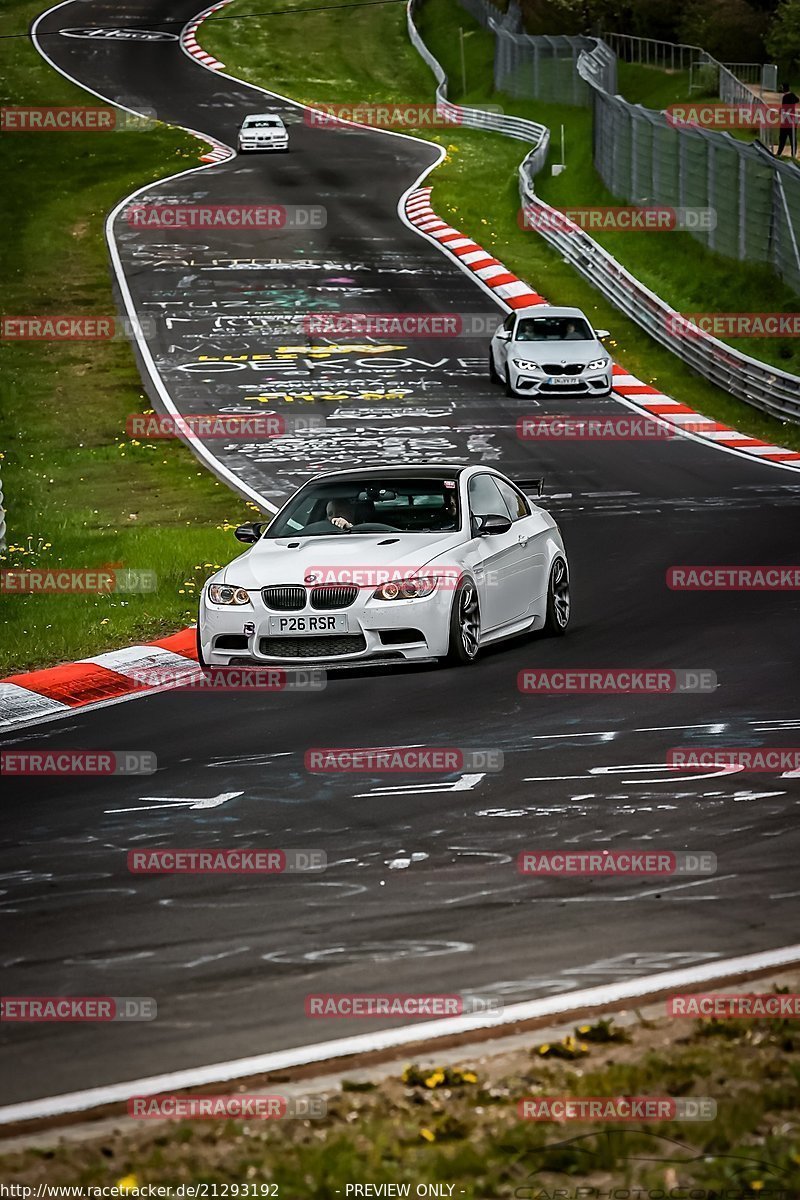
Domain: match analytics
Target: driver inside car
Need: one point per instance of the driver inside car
(340, 513)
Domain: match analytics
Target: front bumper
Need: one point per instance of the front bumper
(589, 383)
(377, 630)
(264, 144)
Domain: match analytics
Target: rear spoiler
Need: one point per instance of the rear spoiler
(531, 487)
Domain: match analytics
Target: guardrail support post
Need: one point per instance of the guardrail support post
(2, 519)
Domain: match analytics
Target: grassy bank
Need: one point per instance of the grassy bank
(78, 492)
(365, 54)
(458, 1124)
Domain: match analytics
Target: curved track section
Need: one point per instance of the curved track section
(421, 892)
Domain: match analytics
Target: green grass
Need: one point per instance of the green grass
(364, 54)
(651, 86)
(346, 55)
(460, 1126)
(78, 492)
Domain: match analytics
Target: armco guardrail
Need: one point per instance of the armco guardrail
(479, 118)
(757, 383)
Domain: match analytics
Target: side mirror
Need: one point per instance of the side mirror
(493, 523)
(504, 335)
(250, 532)
(602, 333)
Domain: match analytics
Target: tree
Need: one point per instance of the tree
(731, 30)
(783, 37)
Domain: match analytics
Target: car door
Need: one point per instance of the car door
(530, 528)
(502, 342)
(499, 558)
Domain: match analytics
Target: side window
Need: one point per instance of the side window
(515, 502)
(484, 498)
(508, 324)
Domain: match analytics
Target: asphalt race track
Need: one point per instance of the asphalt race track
(421, 891)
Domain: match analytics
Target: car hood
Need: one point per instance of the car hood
(555, 352)
(288, 560)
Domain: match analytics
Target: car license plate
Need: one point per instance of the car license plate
(565, 380)
(308, 626)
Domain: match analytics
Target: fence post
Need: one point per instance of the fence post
(711, 187)
(2, 518)
(742, 207)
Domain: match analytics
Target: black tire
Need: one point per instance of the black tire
(509, 389)
(201, 661)
(559, 606)
(494, 374)
(462, 649)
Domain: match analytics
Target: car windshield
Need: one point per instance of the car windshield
(553, 329)
(262, 123)
(379, 505)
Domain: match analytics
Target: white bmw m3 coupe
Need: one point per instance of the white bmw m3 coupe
(388, 564)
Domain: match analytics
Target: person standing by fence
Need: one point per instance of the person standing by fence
(788, 119)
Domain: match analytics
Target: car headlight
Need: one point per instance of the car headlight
(597, 364)
(523, 364)
(406, 589)
(223, 593)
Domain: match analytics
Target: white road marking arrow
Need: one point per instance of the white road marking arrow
(464, 783)
(196, 803)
